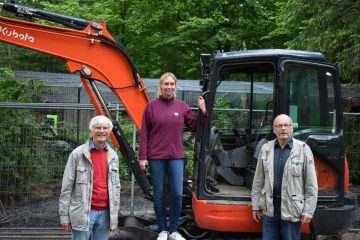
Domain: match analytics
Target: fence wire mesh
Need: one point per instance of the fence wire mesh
(35, 148)
(352, 145)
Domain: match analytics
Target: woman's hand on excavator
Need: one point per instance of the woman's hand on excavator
(201, 104)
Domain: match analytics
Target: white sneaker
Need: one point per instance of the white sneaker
(163, 235)
(176, 236)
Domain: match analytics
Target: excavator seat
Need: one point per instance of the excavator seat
(226, 163)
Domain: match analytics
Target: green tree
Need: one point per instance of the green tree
(331, 27)
(170, 36)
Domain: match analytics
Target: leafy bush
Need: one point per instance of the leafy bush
(20, 162)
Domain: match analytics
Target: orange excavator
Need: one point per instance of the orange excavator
(244, 91)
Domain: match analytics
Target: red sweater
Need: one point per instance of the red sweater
(100, 196)
(161, 135)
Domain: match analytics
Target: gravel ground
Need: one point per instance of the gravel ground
(44, 212)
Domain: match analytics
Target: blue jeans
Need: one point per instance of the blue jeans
(99, 227)
(174, 169)
(273, 227)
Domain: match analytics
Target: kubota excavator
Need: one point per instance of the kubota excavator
(244, 91)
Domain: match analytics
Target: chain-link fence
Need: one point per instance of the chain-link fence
(352, 145)
(36, 144)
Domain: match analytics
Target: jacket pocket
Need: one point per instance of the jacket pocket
(298, 204)
(296, 168)
(81, 175)
(262, 201)
(265, 164)
(78, 217)
(114, 175)
(115, 179)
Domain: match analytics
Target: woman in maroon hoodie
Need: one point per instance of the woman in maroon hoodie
(161, 146)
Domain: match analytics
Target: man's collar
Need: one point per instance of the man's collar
(289, 143)
(92, 145)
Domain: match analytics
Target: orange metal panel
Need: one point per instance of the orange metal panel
(224, 218)
(326, 176)
(227, 218)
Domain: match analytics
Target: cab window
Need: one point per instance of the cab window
(311, 100)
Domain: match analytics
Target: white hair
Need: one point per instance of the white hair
(100, 119)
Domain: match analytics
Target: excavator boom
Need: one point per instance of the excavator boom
(90, 50)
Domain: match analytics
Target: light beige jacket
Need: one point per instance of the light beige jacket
(299, 183)
(77, 185)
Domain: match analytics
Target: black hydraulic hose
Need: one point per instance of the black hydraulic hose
(189, 235)
(28, 12)
(125, 149)
(122, 49)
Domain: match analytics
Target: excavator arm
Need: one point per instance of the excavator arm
(88, 49)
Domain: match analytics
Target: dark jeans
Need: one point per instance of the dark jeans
(174, 169)
(274, 227)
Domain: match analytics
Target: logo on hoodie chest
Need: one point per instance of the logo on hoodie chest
(176, 114)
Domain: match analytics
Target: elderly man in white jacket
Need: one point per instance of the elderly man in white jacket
(284, 191)
(90, 195)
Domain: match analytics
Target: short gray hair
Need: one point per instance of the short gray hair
(100, 119)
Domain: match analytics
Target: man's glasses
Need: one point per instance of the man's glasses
(102, 128)
(283, 125)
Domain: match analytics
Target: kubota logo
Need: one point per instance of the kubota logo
(13, 34)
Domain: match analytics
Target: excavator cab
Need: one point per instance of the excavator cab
(246, 91)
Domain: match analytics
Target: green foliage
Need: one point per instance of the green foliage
(330, 27)
(189, 142)
(166, 36)
(19, 128)
(226, 121)
(221, 118)
(169, 36)
(173, 34)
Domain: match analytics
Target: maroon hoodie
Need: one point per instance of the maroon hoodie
(161, 135)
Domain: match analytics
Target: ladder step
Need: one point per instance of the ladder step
(34, 233)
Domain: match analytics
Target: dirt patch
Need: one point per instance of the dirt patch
(44, 212)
